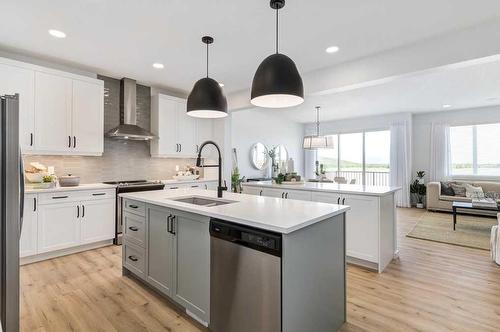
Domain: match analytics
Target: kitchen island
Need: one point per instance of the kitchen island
(371, 225)
(168, 246)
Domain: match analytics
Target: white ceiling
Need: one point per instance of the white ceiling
(124, 37)
(461, 86)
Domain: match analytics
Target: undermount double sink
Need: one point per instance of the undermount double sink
(202, 201)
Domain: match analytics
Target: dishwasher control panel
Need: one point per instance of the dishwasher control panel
(258, 239)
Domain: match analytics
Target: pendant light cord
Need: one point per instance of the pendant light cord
(277, 30)
(207, 59)
(317, 121)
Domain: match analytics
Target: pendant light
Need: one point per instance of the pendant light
(207, 99)
(317, 141)
(277, 82)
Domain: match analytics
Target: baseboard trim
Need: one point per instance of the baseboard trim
(64, 252)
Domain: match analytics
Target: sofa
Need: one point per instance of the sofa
(438, 201)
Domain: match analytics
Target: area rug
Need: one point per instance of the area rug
(472, 231)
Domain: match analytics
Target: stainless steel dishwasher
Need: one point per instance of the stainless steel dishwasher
(245, 278)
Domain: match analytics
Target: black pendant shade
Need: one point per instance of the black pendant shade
(207, 99)
(277, 82)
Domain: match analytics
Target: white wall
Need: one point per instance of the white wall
(422, 129)
(269, 127)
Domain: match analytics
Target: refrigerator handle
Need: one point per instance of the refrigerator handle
(21, 191)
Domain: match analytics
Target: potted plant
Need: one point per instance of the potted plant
(274, 166)
(236, 180)
(419, 190)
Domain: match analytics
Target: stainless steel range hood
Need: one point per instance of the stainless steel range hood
(128, 128)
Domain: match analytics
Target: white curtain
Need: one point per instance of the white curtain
(400, 167)
(440, 152)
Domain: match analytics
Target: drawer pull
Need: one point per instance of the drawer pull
(59, 197)
(133, 206)
(133, 229)
(98, 194)
(195, 186)
(133, 258)
(174, 187)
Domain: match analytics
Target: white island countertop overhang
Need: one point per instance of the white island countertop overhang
(352, 189)
(269, 213)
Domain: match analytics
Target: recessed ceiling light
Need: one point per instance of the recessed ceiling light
(221, 84)
(57, 33)
(158, 65)
(446, 106)
(332, 49)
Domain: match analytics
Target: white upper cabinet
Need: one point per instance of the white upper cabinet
(87, 118)
(52, 113)
(60, 113)
(19, 80)
(175, 130)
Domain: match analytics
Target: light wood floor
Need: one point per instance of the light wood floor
(432, 287)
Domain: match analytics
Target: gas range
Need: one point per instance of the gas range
(127, 187)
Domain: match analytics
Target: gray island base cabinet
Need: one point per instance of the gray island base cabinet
(171, 254)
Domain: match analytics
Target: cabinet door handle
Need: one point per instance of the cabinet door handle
(174, 187)
(282, 195)
(98, 194)
(83, 210)
(133, 206)
(338, 200)
(133, 258)
(74, 141)
(286, 195)
(59, 197)
(78, 211)
(69, 141)
(31, 139)
(206, 187)
(34, 204)
(177, 147)
(133, 229)
(180, 147)
(343, 201)
(173, 224)
(168, 224)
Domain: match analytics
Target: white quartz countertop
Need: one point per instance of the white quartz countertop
(329, 187)
(88, 186)
(269, 213)
(172, 181)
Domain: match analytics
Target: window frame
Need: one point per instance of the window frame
(475, 167)
(363, 132)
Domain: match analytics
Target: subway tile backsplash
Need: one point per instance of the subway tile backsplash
(121, 160)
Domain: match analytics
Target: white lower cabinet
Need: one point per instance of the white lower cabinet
(176, 254)
(58, 226)
(94, 227)
(64, 220)
(28, 240)
(370, 223)
(362, 223)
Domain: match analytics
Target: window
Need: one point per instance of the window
(361, 157)
(474, 150)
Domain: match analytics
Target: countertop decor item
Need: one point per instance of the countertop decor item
(69, 180)
(277, 82)
(313, 142)
(207, 99)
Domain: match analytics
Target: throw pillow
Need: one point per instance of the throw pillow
(458, 189)
(473, 192)
(446, 189)
(492, 195)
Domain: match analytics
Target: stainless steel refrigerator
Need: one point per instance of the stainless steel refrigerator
(11, 210)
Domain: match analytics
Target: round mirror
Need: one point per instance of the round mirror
(281, 154)
(258, 155)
